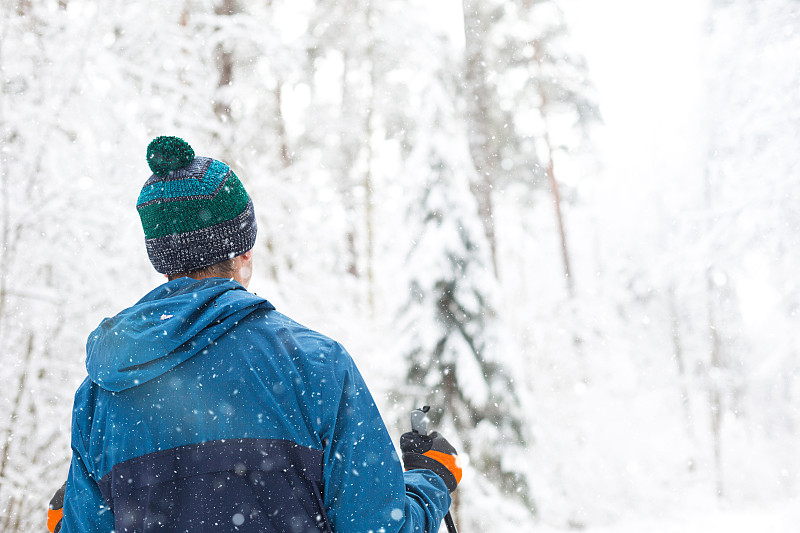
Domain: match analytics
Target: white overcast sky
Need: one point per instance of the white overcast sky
(645, 60)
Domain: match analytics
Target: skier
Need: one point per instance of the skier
(205, 409)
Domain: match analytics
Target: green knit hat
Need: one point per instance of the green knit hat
(194, 210)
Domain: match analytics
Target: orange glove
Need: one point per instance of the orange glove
(56, 510)
(432, 452)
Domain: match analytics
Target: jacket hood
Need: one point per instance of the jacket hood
(165, 328)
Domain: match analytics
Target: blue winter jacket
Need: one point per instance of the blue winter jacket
(207, 410)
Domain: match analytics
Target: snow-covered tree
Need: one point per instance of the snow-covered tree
(527, 97)
(751, 194)
(59, 214)
(452, 339)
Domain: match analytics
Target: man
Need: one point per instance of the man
(207, 410)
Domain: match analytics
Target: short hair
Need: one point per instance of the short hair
(223, 269)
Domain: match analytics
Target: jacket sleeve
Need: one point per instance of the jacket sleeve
(365, 488)
(85, 509)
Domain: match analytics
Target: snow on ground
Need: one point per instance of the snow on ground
(780, 517)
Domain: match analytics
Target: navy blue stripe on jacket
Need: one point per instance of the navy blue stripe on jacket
(247, 485)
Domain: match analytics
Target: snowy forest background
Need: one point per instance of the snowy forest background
(606, 325)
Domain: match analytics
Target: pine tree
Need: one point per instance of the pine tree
(522, 81)
(453, 352)
(453, 342)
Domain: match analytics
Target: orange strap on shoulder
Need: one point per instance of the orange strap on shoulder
(53, 517)
(449, 461)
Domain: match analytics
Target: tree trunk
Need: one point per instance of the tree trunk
(23, 7)
(683, 377)
(224, 59)
(368, 177)
(349, 152)
(715, 386)
(5, 234)
(562, 234)
(551, 178)
(21, 387)
(477, 92)
(12, 521)
(286, 156)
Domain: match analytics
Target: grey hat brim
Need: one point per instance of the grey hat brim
(202, 248)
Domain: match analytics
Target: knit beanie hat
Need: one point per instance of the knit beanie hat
(194, 210)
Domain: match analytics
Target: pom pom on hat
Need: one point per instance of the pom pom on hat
(167, 154)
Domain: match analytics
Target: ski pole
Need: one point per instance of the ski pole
(419, 424)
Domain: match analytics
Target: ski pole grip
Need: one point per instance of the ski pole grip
(419, 425)
(419, 420)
